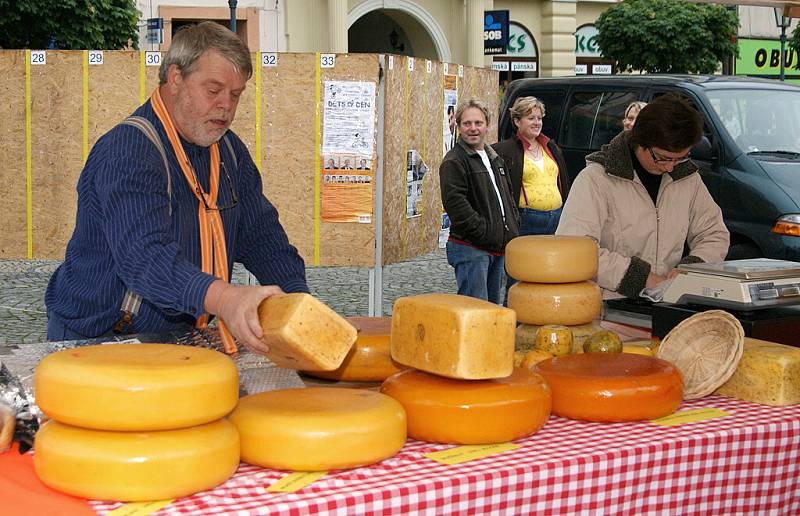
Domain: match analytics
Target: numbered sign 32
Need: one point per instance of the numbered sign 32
(269, 59)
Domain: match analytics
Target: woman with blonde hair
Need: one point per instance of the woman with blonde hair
(631, 112)
(537, 170)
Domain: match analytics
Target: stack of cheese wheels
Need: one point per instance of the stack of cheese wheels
(370, 359)
(463, 387)
(554, 274)
(319, 428)
(136, 422)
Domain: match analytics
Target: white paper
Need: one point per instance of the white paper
(349, 118)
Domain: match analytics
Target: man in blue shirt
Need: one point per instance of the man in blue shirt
(161, 221)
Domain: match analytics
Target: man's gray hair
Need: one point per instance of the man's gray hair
(472, 103)
(191, 42)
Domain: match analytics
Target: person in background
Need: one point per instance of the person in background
(631, 112)
(641, 198)
(165, 207)
(476, 194)
(538, 172)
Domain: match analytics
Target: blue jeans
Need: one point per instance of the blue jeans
(479, 274)
(534, 222)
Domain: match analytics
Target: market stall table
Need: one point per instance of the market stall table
(747, 461)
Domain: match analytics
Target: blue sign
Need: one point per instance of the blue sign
(155, 30)
(495, 32)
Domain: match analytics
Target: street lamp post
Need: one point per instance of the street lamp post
(232, 5)
(783, 23)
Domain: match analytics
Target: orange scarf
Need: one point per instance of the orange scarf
(212, 233)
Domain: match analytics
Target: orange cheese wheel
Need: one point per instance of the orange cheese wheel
(135, 466)
(612, 386)
(556, 303)
(446, 410)
(320, 428)
(551, 258)
(136, 387)
(370, 358)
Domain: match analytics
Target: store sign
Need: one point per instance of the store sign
(762, 57)
(601, 69)
(495, 32)
(586, 42)
(500, 66)
(525, 66)
(155, 30)
(581, 69)
(520, 43)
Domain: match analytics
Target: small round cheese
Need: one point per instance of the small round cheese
(551, 258)
(135, 466)
(556, 303)
(136, 387)
(320, 428)
(370, 358)
(446, 410)
(612, 386)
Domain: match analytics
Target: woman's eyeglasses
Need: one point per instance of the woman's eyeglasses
(234, 199)
(664, 159)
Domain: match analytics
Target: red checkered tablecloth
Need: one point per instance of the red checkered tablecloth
(747, 462)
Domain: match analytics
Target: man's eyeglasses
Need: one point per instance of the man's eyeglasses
(234, 199)
(664, 159)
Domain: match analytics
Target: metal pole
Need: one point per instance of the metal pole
(783, 46)
(232, 5)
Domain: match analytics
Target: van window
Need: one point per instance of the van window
(594, 118)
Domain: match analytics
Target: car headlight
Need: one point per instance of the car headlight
(787, 225)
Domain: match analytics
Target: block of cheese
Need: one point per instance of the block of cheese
(454, 336)
(136, 387)
(444, 410)
(612, 386)
(526, 335)
(768, 373)
(370, 358)
(135, 466)
(319, 428)
(303, 333)
(551, 258)
(569, 304)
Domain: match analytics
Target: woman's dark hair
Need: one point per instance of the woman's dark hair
(669, 122)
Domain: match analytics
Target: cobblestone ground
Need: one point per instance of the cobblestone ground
(345, 289)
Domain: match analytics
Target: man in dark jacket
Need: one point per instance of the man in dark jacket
(476, 194)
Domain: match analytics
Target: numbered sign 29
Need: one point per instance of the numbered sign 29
(269, 59)
(152, 58)
(95, 57)
(327, 60)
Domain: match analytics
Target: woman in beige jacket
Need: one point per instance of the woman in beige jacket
(642, 198)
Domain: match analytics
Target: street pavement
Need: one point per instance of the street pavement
(345, 289)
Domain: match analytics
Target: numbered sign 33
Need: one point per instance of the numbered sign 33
(327, 60)
(152, 58)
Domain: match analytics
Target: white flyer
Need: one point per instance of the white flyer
(348, 124)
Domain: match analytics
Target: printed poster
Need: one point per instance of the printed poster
(348, 123)
(346, 194)
(415, 172)
(449, 129)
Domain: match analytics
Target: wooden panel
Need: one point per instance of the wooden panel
(14, 237)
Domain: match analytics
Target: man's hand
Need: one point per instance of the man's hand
(653, 280)
(237, 305)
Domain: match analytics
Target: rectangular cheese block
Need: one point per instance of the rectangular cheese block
(303, 333)
(769, 373)
(453, 336)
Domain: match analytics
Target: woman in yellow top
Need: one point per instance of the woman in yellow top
(537, 170)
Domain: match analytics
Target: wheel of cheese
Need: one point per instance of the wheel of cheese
(370, 359)
(136, 387)
(612, 386)
(556, 303)
(135, 466)
(316, 429)
(551, 258)
(446, 410)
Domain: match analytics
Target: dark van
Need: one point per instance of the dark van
(749, 157)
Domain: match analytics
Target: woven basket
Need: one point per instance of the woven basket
(706, 348)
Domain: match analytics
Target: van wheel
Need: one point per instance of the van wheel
(744, 251)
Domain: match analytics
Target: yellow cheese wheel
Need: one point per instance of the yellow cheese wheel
(526, 335)
(551, 258)
(136, 387)
(135, 466)
(370, 358)
(556, 303)
(303, 333)
(319, 428)
(444, 410)
(454, 336)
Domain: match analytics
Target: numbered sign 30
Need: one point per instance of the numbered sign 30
(152, 58)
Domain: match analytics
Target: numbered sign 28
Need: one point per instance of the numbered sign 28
(38, 57)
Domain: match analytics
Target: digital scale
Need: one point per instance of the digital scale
(737, 285)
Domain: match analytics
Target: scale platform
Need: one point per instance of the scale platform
(743, 285)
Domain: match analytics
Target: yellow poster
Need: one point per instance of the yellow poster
(346, 188)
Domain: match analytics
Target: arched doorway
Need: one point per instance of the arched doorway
(405, 29)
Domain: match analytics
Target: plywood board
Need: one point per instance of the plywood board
(394, 149)
(14, 237)
(113, 91)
